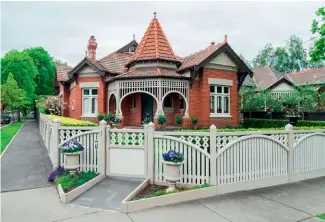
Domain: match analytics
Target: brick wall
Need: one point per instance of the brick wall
(200, 98)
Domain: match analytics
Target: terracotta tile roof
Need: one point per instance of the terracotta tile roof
(311, 76)
(198, 57)
(62, 72)
(150, 72)
(264, 77)
(115, 62)
(96, 63)
(154, 44)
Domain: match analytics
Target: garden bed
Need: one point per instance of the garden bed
(147, 196)
(68, 194)
(65, 121)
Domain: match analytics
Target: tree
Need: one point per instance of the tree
(61, 63)
(21, 65)
(264, 56)
(12, 95)
(44, 78)
(317, 53)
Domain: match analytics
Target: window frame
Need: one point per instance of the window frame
(90, 97)
(219, 98)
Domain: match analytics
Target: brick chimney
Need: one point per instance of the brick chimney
(91, 47)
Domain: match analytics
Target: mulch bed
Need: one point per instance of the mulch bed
(154, 188)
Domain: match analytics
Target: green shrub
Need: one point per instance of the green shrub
(195, 121)
(265, 123)
(178, 120)
(161, 120)
(249, 129)
(100, 117)
(70, 181)
(109, 117)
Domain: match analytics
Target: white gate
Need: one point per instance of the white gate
(126, 153)
(309, 156)
(251, 162)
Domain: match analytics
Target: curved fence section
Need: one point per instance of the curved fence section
(309, 154)
(251, 158)
(89, 157)
(196, 165)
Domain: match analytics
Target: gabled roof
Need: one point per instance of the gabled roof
(198, 57)
(92, 63)
(115, 62)
(282, 79)
(127, 46)
(248, 81)
(264, 77)
(311, 76)
(62, 72)
(154, 45)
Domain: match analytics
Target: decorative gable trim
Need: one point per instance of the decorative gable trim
(282, 80)
(81, 64)
(221, 82)
(89, 84)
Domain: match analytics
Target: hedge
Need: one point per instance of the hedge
(249, 129)
(65, 121)
(265, 123)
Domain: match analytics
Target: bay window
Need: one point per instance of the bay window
(219, 101)
(89, 101)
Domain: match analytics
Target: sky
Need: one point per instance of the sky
(63, 28)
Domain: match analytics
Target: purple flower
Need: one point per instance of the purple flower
(59, 171)
(173, 156)
(72, 147)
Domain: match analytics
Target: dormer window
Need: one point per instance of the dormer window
(132, 49)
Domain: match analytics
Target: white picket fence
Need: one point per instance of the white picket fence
(232, 161)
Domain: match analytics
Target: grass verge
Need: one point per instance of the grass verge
(8, 132)
(321, 216)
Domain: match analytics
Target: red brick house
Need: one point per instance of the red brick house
(149, 79)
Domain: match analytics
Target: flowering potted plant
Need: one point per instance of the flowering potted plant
(147, 119)
(173, 161)
(72, 151)
(115, 122)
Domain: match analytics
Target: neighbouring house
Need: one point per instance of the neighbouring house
(279, 84)
(148, 79)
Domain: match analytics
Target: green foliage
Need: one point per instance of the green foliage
(267, 124)
(65, 121)
(51, 105)
(321, 216)
(109, 117)
(251, 129)
(70, 181)
(11, 95)
(195, 121)
(21, 65)
(8, 132)
(317, 53)
(178, 120)
(161, 120)
(100, 116)
(201, 186)
(44, 78)
(251, 99)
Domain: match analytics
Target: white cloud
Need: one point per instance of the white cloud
(63, 28)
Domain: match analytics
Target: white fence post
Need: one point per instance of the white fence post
(55, 152)
(213, 154)
(289, 129)
(151, 151)
(102, 147)
(145, 149)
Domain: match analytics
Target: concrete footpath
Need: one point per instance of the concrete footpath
(25, 164)
(286, 203)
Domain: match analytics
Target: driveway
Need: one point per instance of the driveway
(287, 203)
(25, 164)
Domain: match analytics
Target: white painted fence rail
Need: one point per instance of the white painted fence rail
(232, 161)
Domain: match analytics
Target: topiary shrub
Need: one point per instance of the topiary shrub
(100, 117)
(178, 120)
(161, 120)
(195, 121)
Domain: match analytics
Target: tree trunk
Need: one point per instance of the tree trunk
(18, 112)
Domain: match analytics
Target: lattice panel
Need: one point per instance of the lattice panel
(222, 141)
(297, 136)
(201, 141)
(121, 138)
(66, 134)
(282, 138)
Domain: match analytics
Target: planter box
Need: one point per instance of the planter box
(129, 206)
(67, 197)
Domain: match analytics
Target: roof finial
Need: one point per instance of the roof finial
(225, 40)
(154, 14)
(212, 43)
(133, 37)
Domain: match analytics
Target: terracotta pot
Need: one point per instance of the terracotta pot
(172, 174)
(115, 125)
(72, 161)
(293, 120)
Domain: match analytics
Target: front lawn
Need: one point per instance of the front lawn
(8, 132)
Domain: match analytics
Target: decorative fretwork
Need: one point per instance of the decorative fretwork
(201, 141)
(297, 136)
(65, 134)
(124, 138)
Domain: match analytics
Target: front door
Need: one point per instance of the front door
(146, 107)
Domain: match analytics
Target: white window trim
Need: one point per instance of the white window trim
(215, 94)
(89, 85)
(90, 97)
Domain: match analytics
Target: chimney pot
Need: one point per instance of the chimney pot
(212, 43)
(91, 47)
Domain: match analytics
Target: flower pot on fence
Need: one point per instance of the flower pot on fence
(72, 161)
(172, 174)
(115, 125)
